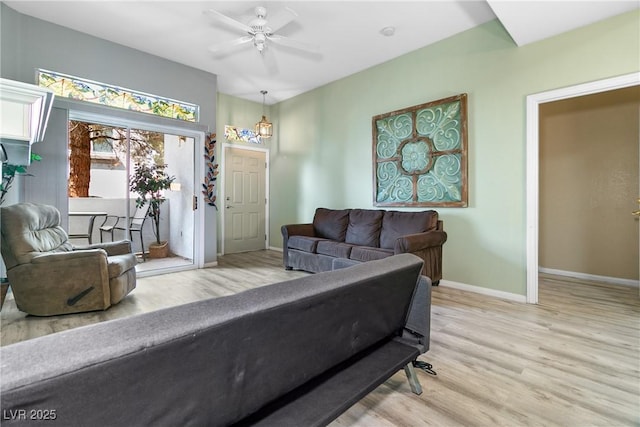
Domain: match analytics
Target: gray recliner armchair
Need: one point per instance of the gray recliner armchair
(49, 276)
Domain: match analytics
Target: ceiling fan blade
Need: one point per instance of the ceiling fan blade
(269, 62)
(229, 44)
(296, 44)
(228, 21)
(281, 18)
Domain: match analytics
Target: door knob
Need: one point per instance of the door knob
(635, 213)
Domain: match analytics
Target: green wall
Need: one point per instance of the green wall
(240, 113)
(321, 153)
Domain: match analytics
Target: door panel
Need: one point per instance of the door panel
(244, 219)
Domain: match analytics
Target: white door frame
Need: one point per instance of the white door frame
(198, 136)
(223, 197)
(533, 160)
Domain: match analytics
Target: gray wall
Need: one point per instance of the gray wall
(28, 43)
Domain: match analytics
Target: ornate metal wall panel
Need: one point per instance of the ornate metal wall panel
(420, 155)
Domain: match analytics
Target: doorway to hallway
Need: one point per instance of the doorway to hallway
(532, 155)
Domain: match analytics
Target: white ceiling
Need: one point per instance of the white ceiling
(347, 33)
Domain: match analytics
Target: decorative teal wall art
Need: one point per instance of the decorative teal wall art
(420, 155)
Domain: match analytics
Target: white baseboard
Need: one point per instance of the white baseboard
(210, 264)
(275, 248)
(591, 277)
(484, 291)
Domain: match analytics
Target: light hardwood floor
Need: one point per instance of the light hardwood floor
(572, 360)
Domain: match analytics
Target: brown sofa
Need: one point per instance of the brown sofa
(364, 235)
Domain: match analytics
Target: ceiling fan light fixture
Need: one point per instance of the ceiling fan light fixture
(264, 128)
(259, 41)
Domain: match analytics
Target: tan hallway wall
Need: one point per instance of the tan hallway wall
(589, 184)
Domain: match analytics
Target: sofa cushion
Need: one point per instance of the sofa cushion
(397, 224)
(331, 224)
(304, 243)
(362, 253)
(364, 227)
(334, 249)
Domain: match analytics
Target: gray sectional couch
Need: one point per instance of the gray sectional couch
(295, 353)
(364, 235)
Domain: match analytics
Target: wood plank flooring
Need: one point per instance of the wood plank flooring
(572, 360)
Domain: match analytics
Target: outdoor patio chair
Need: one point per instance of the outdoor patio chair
(136, 224)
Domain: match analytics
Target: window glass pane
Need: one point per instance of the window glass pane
(103, 160)
(79, 89)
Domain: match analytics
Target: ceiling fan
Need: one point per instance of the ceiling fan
(259, 31)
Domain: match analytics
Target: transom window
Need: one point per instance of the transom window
(67, 86)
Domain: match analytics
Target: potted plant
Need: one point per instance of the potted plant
(9, 173)
(148, 182)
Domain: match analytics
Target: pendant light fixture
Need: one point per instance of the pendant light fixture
(264, 128)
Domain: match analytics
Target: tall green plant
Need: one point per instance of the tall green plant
(148, 182)
(9, 173)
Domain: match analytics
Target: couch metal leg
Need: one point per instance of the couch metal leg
(414, 383)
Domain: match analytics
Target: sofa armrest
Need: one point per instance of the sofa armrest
(427, 246)
(297, 230)
(293, 230)
(415, 242)
(120, 247)
(417, 330)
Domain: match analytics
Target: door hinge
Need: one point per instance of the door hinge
(195, 202)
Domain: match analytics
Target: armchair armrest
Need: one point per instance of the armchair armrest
(64, 257)
(119, 247)
(79, 281)
(419, 241)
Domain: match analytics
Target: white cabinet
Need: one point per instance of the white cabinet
(24, 111)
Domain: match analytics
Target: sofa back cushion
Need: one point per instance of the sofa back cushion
(211, 362)
(364, 227)
(396, 224)
(331, 223)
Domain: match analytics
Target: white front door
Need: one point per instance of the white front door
(245, 202)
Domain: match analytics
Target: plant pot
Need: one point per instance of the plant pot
(159, 250)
